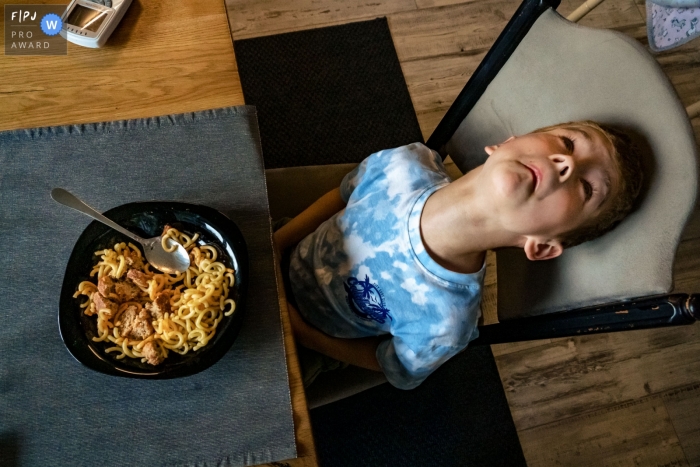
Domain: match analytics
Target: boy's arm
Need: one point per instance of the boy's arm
(359, 352)
(302, 225)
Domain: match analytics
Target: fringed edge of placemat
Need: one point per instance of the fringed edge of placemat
(145, 123)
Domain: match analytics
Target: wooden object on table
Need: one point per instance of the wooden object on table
(693, 110)
(306, 450)
(164, 58)
(583, 10)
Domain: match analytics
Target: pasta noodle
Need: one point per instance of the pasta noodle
(147, 314)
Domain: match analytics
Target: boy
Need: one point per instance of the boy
(388, 270)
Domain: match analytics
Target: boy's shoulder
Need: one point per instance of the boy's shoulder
(408, 163)
(392, 171)
(414, 152)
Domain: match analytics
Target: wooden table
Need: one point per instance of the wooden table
(164, 58)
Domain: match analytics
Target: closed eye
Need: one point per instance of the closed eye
(587, 188)
(568, 143)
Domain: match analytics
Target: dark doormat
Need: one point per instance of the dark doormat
(458, 417)
(327, 96)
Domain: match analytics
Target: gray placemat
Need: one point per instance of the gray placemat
(53, 410)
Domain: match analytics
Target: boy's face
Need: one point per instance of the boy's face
(546, 184)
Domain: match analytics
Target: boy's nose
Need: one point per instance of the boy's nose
(564, 165)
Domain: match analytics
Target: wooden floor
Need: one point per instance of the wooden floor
(616, 399)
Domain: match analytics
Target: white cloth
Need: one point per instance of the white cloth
(671, 23)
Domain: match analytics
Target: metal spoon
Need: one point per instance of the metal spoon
(170, 263)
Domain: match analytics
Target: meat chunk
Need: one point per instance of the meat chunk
(138, 278)
(196, 256)
(160, 305)
(102, 303)
(131, 257)
(150, 351)
(126, 291)
(106, 286)
(120, 291)
(135, 323)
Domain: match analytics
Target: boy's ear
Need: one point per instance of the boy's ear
(537, 249)
(489, 149)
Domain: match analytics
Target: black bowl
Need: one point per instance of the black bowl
(147, 220)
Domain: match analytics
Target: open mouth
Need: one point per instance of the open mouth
(536, 177)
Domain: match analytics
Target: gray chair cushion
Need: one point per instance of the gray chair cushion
(563, 72)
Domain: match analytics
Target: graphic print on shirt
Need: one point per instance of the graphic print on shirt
(366, 300)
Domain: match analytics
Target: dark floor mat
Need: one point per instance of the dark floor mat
(458, 417)
(327, 96)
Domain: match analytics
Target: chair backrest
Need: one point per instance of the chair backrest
(562, 72)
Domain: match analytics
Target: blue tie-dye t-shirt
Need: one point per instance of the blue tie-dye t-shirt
(365, 272)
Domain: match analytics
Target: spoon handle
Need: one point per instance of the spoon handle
(68, 199)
